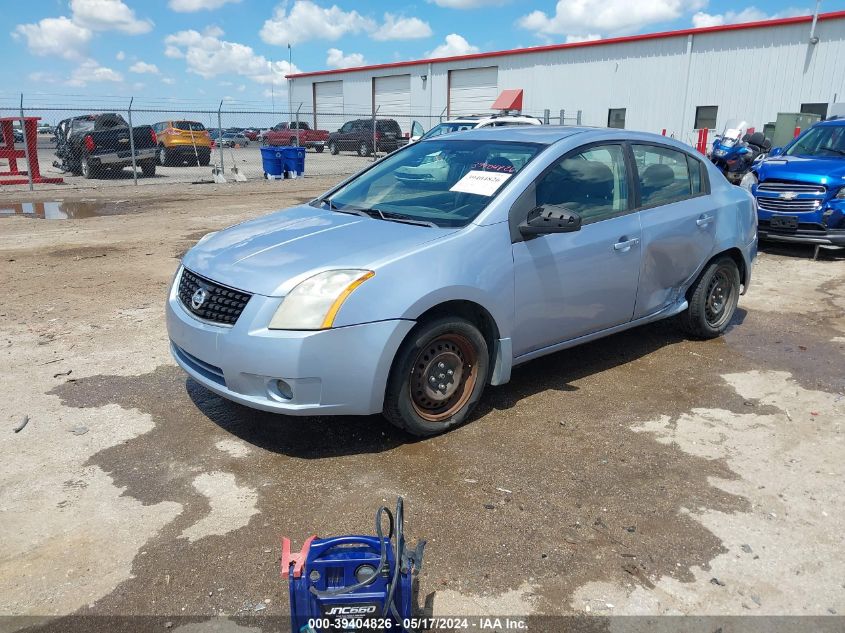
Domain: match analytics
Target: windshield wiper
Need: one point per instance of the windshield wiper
(391, 216)
(351, 211)
(834, 150)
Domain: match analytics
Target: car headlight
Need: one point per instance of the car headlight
(748, 180)
(313, 303)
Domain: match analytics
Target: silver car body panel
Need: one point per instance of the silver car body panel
(545, 294)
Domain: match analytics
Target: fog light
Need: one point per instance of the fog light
(284, 389)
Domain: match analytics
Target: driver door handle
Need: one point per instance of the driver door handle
(626, 245)
(704, 220)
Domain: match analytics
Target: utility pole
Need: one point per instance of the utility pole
(272, 88)
(290, 83)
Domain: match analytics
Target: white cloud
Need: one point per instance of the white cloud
(209, 56)
(143, 67)
(108, 15)
(466, 4)
(336, 59)
(749, 14)
(189, 6)
(453, 45)
(401, 28)
(120, 56)
(54, 37)
(615, 16)
(589, 37)
(308, 21)
(169, 81)
(90, 71)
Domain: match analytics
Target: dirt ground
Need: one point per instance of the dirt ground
(643, 474)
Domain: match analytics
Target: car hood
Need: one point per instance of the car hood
(267, 255)
(823, 171)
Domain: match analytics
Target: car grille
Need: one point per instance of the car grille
(222, 305)
(800, 197)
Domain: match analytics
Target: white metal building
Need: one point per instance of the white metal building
(678, 81)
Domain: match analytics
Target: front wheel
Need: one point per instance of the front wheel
(438, 377)
(318, 149)
(713, 300)
(333, 149)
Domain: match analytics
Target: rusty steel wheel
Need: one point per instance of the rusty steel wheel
(443, 377)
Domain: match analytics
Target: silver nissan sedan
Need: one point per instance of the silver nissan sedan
(408, 288)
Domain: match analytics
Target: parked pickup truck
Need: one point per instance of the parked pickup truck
(293, 133)
(93, 144)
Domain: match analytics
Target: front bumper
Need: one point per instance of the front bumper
(828, 237)
(340, 371)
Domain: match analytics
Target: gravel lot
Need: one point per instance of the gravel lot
(641, 474)
(246, 159)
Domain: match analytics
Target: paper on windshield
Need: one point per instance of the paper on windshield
(481, 183)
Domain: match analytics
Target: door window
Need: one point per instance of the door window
(347, 127)
(664, 175)
(592, 182)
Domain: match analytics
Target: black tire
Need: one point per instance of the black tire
(163, 157)
(712, 300)
(416, 403)
(87, 170)
(364, 149)
(148, 168)
(333, 149)
(205, 160)
(318, 149)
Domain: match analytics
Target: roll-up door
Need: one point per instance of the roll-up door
(472, 90)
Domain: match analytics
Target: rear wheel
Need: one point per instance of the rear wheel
(148, 168)
(205, 159)
(87, 170)
(364, 149)
(713, 300)
(163, 155)
(438, 377)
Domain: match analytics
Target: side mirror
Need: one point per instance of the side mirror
(776, 151)
(550, 219)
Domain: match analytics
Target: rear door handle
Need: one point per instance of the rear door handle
(704, 220)
(626, 245)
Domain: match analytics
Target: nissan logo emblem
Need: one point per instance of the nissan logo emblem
(198, 298)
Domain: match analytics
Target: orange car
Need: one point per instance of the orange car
(183, 142)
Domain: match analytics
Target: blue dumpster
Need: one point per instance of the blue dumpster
(273, 161)
(294, 158)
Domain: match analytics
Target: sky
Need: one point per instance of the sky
(204, 51)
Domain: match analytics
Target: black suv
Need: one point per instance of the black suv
(358, 136)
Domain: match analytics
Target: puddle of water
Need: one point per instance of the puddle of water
(61, 210)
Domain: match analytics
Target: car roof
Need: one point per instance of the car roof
(832, 122)
(549, 134)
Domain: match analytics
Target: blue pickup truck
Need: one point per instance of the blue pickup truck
(800, 188)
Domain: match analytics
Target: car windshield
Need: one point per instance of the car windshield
(189, 126)
(448, 128)
(824, 140)
(446, 182)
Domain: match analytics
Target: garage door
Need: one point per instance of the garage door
(392, 98)
(472, 90)
(328, 105)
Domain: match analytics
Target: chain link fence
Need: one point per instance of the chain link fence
(107, 145)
